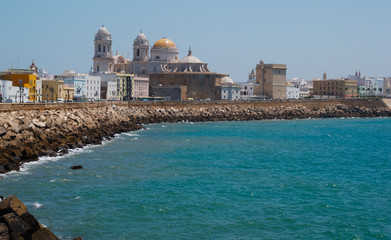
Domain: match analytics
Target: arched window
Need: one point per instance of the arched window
(157, 58)
(138, 52)
(99, 48)
(104, 48)
(97, 68)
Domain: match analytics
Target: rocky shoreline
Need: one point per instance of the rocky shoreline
(28, 134)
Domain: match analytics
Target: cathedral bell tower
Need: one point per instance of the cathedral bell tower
(102, 55)
(140, 48)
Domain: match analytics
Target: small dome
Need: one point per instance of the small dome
(226, 80)
(103, 30)
(190, 59)
(164, 43)
(141, 36)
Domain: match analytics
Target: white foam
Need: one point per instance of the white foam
(37, 205)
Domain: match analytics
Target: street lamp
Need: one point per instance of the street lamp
(20, 90)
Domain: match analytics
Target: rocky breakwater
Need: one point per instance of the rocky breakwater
(248, 112)
(26, 135)
(16, 223)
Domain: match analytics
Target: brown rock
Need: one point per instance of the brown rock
(12, 204)
(44, 234)
(4, 232)
(15, 224)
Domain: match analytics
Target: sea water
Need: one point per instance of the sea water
(299, 179)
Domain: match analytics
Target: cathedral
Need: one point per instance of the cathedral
(161, 58)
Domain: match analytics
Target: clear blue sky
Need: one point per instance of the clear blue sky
(336, 36)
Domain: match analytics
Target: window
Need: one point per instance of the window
(104, 48)
(99, 48)
(138, 52)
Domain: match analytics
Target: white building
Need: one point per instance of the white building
(292, 92)
(246, 90)
(369, 86)
(304, 87)
(141, 87)
(13, 94)
(229, 90)
(93, 88)
(111, 90)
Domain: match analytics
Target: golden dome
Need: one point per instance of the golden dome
(164, 43)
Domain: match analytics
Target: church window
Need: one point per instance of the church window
(104, 48)
(97, 68)
(138, 52)
(157, 58)
(99, 48)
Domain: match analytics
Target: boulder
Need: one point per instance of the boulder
(4, 231)
(43, 234)
(12, 204)
(76, 167)
(17, 227)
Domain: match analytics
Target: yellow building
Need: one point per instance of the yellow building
(23, 78)
(68, 93)
(53, 90)
(335, 87)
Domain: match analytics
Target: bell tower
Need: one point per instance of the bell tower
(103, 58)
(140, 48)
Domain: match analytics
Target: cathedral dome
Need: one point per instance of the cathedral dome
(103, 30)
(226, 80)
(164, 43)
(190, 58)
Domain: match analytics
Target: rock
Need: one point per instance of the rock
(12, 204)
(44, 234)
(78, 238)
(3, 131)
(76, 167)
(4, 232)
(17, 227)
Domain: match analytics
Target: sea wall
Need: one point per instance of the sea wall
(28, 131)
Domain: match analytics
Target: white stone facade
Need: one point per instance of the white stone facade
(11, 94)
(141, 87)
(93, 85)
(111, 91)
(292, 92)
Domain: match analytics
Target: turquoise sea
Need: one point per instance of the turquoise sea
(299, 179)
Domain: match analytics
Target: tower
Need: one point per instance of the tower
(102, 55)
(140, 48)
(324, 76)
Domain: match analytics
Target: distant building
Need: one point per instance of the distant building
(341, 88)
(12, 94)
(172, 92)
(53, 90)
(141, 87)
(200, 85)
(387, 86)
(93, 87)
(125, 83)
(368, 86)
(110, 90)
(292, 92)
(23, 78)
(229, 90)
(247, 90)
(271, 79)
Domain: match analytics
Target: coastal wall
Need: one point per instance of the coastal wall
(28, 131)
